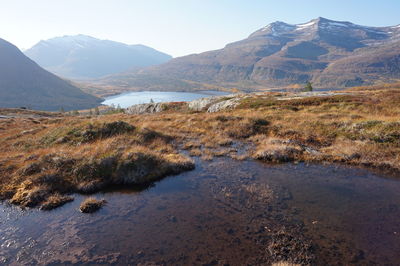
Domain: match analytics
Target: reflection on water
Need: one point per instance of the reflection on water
(130, 98)
(224, 212)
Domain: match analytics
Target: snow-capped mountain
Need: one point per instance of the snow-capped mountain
(322, 29)
(82, 56)
(328, 53)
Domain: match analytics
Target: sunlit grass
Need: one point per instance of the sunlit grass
(48, 157)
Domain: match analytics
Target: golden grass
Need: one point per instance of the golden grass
(55, 201)
(81, 155)
(284, 263)
(91, 205)
(43, 156)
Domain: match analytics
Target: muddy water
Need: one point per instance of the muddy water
(223, 213)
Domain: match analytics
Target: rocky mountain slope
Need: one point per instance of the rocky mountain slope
(24, 83)
(83, 57)
(328, 53)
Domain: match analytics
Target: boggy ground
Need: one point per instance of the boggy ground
(45, 158)
(42, 160)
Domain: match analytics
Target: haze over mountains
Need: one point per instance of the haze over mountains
(25, 84)
(328, 53)
(85, 57)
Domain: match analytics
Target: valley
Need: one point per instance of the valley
(331, 54)
(91, 152)
(312, 149)
(166, 133)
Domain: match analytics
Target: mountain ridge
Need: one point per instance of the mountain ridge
(86, 57)
(282, 55)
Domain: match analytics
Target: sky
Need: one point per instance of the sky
(176, 27)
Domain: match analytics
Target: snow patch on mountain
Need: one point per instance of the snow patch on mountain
(278, 28)
(337, 24)
(266, 28)
(305, 25)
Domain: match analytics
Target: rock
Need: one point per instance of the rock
(224, 105)
(202, 104)
(145, 108)
(215, 103)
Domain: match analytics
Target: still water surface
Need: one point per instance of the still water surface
(127, 99)
(224, 212)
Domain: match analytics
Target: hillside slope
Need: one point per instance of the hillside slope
(328, 53)
(24, 83)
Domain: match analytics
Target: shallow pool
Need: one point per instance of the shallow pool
(225, 212)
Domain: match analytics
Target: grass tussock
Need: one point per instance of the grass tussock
(284, 263)
(55, 201)
(92, 156)
(91, 205)
(45, 158)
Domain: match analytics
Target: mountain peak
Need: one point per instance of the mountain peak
(322, 19)
(328, 52)
(81, 56)
(279, 28)
(276, 28)
(321, 22)
(77, 36)
(73, 38)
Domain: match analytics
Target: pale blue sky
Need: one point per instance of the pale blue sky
(177, 27)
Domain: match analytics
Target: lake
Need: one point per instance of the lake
(224, 212)
(130, 98)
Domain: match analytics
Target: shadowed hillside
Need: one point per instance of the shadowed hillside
(24, 83)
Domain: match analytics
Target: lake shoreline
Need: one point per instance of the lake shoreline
(128, 99)
(238, 175)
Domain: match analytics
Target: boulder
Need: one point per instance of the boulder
(203, 103)
(224, 105)
(145, 108)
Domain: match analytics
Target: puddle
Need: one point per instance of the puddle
(225, 212)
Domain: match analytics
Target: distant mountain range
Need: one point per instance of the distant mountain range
(25, 84)
(328, 53)
(85, 57)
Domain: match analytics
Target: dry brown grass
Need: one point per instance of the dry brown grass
(47, 155)
(55, 201)
(91, 205)
(284, 263)
(72, 154)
